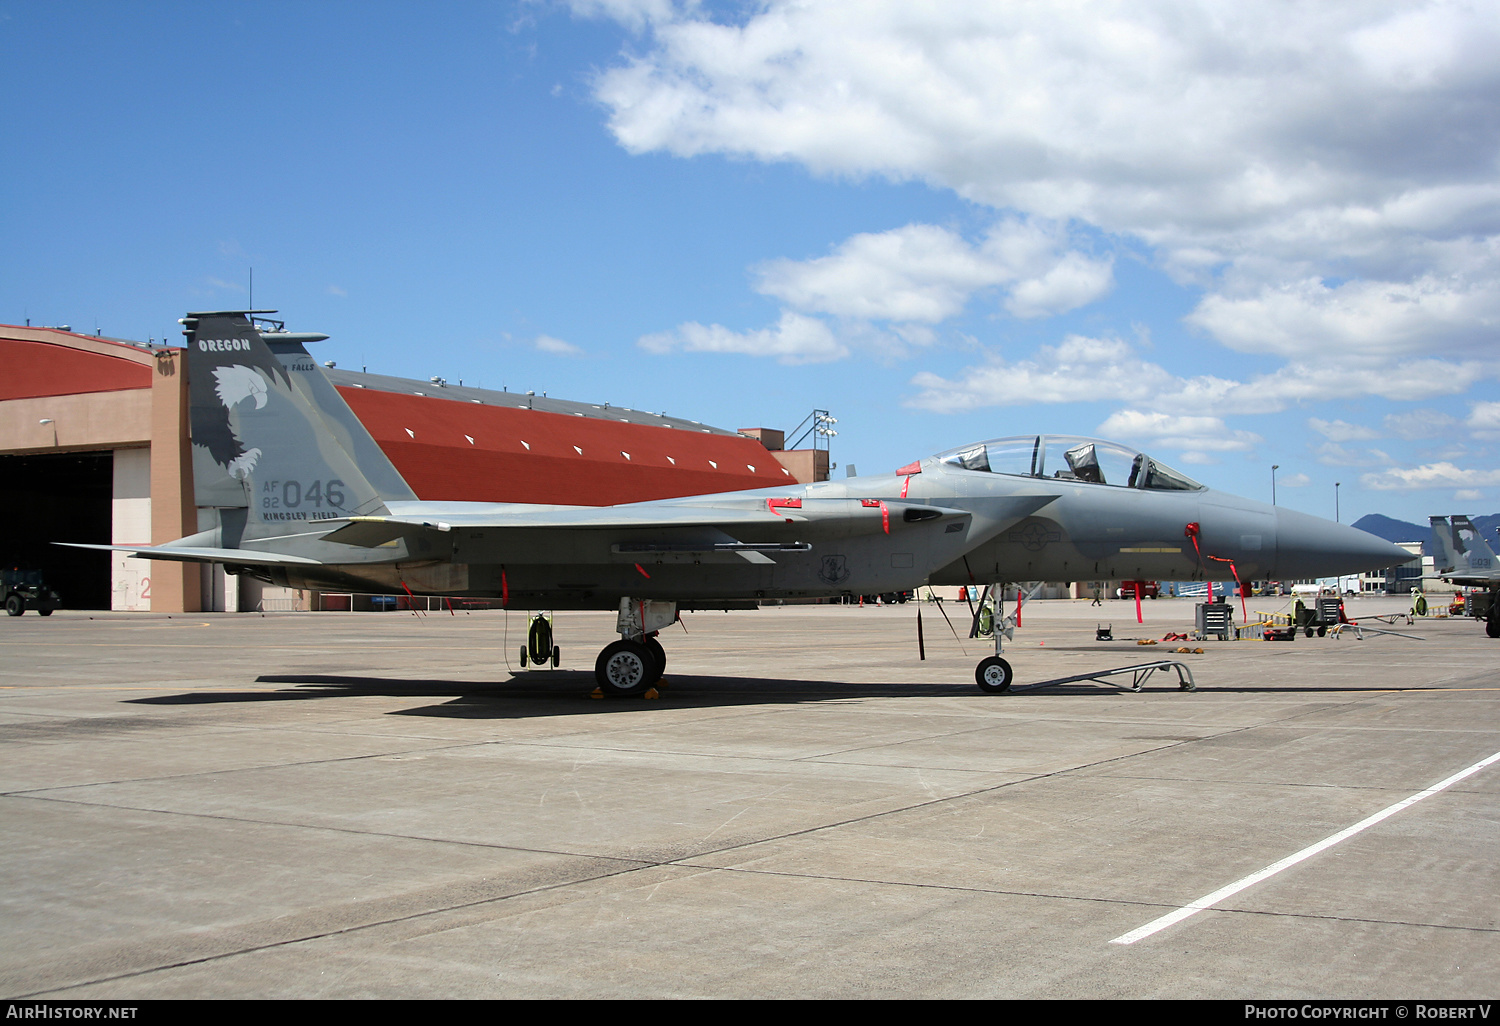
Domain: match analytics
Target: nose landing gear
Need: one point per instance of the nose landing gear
(993, 674)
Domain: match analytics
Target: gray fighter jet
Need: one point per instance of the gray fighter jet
(306, 499)
(1463, 557)
(1460, 553)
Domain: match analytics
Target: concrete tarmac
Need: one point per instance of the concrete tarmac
(340, 805)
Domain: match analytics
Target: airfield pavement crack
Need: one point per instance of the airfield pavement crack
(41, 792)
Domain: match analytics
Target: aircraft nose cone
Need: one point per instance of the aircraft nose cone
(1308, 546)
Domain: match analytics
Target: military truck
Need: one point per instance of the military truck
(25, 589)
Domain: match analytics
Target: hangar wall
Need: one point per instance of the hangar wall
(130, 524)
(69, 393)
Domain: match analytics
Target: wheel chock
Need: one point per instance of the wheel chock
(597, 693)
(651, 693)
(1146, 641)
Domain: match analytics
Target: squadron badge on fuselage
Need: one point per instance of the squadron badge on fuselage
(834, 569)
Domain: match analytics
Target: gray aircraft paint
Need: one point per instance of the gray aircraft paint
(338, 420)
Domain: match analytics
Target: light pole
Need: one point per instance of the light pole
(1336, 519)
(1274, 467)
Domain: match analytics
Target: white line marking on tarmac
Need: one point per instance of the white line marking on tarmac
(1192, 908)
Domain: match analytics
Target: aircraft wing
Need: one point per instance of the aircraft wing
(861, 515)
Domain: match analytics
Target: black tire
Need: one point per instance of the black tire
(15, 605)
(659, 654)
(1492, 628)
(556, 657)
(625, 668)
(993, 675)
(1309, 630)
(1323, 631)
(523, 657)
(44, 610)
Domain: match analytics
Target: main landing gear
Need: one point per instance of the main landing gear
(633, 664)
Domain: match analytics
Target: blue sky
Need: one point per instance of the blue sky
(1232, 237)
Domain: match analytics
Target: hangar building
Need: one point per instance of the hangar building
(94, 447)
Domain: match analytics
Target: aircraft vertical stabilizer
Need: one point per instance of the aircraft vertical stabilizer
(338, 419)
(1444, 550)
(259, 443)
(1480, 557)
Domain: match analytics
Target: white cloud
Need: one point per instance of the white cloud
(1484, 419)
(1332, 454)
(635, 14)
(1088, 369)
(1194, 434)
(1294, 481)
(1074, 281)
(556, 346)
(916, 273)
(1415, 424)
(1174, 119)
(1326, 170)
(1468, 495)
(1340, 431)
(1363, 320)
(927, 274)
(794, 339)
(1077, 369)
(1429, 475)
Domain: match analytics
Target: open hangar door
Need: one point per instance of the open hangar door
(59, 497)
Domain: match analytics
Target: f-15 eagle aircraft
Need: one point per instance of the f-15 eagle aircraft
(306, 499)
(1461, 553)
(1463, 557)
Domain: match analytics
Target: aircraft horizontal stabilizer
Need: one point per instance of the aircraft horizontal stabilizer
(247, 557)
(372, 532)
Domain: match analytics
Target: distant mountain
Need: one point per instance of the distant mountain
(1392, 530)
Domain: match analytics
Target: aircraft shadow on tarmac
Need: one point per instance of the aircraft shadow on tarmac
(568, 693)
(557, 693)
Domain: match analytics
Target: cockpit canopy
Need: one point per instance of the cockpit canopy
(1069, 458)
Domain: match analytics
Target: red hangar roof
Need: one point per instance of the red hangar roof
(46, 361)
(481, 446)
